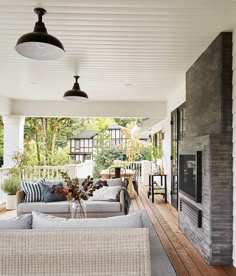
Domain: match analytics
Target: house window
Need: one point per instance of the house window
(158, 139)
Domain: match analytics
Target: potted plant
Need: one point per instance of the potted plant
(11, 186)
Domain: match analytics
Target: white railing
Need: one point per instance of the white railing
(3, 176)
(54, 172)
(134, 166)
(47, 172)
(142, 168)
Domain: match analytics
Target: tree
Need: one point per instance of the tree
(106, 157)
(125, 121)
(132, 146)
(101, 124)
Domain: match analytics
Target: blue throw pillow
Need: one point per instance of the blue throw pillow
(48, 192)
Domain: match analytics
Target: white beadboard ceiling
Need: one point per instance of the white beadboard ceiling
(124, 50)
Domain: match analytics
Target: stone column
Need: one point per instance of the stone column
(13, 137)
(234, 148)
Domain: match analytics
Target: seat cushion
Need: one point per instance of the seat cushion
(49, 207)
(102, 206)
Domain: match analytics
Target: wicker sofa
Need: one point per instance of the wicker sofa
(62, 208)
(87, 252)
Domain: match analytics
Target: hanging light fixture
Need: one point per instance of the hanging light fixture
(39, 44)
(75, 94)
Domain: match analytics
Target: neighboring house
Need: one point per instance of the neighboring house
(84, 145)
(116, 135)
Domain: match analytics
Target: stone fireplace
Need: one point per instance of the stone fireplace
(209, 131)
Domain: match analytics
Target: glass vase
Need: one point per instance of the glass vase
(78, 209)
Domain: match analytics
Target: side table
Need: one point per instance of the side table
(163, 186)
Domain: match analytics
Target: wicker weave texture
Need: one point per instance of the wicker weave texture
(85, 252)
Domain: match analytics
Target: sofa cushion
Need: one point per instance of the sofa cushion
(110, 182)
(21, 222)
(115, 182)
(102, 206)
(48, 192)
(49, 207)
(105, 193)
(32, 190)
(43, 221)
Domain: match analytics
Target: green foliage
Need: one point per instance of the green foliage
(101, 124)
(60, 157)
(106, 157)
(152, 152)
(11, 185)
(22, 162)
(48, 136)
(125, 121)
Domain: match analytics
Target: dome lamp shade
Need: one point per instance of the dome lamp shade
(75, 94)
(39, 44)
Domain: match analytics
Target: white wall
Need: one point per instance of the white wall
(234, 148)
(164, 125)
(5, 105)
(89, 109)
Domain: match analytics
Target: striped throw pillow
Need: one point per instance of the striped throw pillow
(33, 191)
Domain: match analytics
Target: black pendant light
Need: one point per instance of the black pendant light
(75, 94)
(39, 44)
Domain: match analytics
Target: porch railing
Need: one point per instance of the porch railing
(134, 166)
(47, 172)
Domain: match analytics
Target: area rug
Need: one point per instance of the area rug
(160, 263)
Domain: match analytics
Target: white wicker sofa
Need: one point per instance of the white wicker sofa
(62, 208)
(84, 252)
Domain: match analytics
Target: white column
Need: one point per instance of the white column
(13, 137)
(146, 170)
(234, 148)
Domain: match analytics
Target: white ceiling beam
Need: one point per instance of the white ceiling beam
(5, 105)
(89, 109)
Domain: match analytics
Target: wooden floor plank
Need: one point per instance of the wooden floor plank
(135, 205)
(182, 253)
(219, 271)
(230, 270)
(170, 250)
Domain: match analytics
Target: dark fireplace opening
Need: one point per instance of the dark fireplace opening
(190, 175)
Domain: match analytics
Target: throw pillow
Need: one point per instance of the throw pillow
(21, 222)
(48, 192)
(43, 221)
(114, 182)
(106, 193)
(33, 192)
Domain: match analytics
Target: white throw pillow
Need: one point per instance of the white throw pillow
(105, 193)
(43, 221)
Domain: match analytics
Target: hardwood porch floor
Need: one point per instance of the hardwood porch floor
(184, 257)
